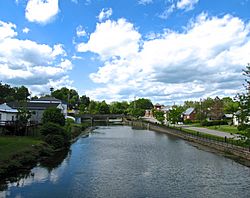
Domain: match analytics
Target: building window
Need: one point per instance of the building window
(12, 118)
(0, 116)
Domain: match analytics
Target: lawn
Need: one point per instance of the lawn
(10, 145)
(226, 128)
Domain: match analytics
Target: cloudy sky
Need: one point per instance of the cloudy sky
(166, 50)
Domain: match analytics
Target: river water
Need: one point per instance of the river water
(122, 162)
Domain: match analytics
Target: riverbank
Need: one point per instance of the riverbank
(20, 153)
(209, 141)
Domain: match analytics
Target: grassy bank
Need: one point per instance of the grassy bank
(20, 153)
(12, 145)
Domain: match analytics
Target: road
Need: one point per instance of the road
(211, 132)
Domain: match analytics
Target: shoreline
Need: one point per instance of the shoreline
(25, 160)
(231, 151)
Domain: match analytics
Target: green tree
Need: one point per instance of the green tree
(159, 115)
(119, 107)
(137, 108)
(217, 109)
(175, 114)
(21, 93)
(54, 115)
(103, 108)
(229, 105)
(92, 108)
(243, 100)
(69, 95)
(55, 135)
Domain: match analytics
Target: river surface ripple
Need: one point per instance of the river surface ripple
(122, 162)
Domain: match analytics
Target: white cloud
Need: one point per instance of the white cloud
(7, 30)
(26, 30)
(105, 14)
(41, 11)
(144, 2)
(112, 38)
(26, 62)
(80, 32)
(186, 4)
(204, 60)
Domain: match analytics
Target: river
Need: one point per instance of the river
(122, 162)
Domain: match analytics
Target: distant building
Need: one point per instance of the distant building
(7, 114)
(38, 106)
(148, 113)
(158, 106)
(189, 114)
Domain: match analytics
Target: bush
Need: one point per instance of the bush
(243, 127)
(214, 122)
(57, 141)
(187, 121)
(53, 115)
(51, 131)
(51, 128)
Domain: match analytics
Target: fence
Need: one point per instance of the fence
(18, 128)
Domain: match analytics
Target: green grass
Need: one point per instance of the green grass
(226, 128)
(11, 145)
(223, 128)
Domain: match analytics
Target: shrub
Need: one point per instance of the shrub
(51, 128)
(53, 115)
(52, 131)
(57, 141)
(187, 121)
(243, 127)
(214, 122)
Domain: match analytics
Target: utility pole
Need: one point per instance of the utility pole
(134, 102)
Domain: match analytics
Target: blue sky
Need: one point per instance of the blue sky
(166, 50)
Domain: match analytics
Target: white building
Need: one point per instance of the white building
(38, 106)
(7, 114)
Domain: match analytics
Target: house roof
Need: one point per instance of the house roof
(5, 108)
(48, 99)
(188, 111)
(33, 105)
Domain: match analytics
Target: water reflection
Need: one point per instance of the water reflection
(121, 162)
(48, 170)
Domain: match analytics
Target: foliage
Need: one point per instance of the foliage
(187, 121)
(244, 101)
(159, 115)
(53, 115)
(69, 95)
(103, 108)
(57, 141)
(23, 115)
(216, 112)
(52, 132)
(137, 112)
(175, 114)
(137, 108)
(214, 122)
(118, 107)
(229, 105)
(9, 94)
(141, 103)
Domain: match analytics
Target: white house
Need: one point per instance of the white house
(38, 106)
(7, 114)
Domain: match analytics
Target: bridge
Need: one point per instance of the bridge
(102, 118)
